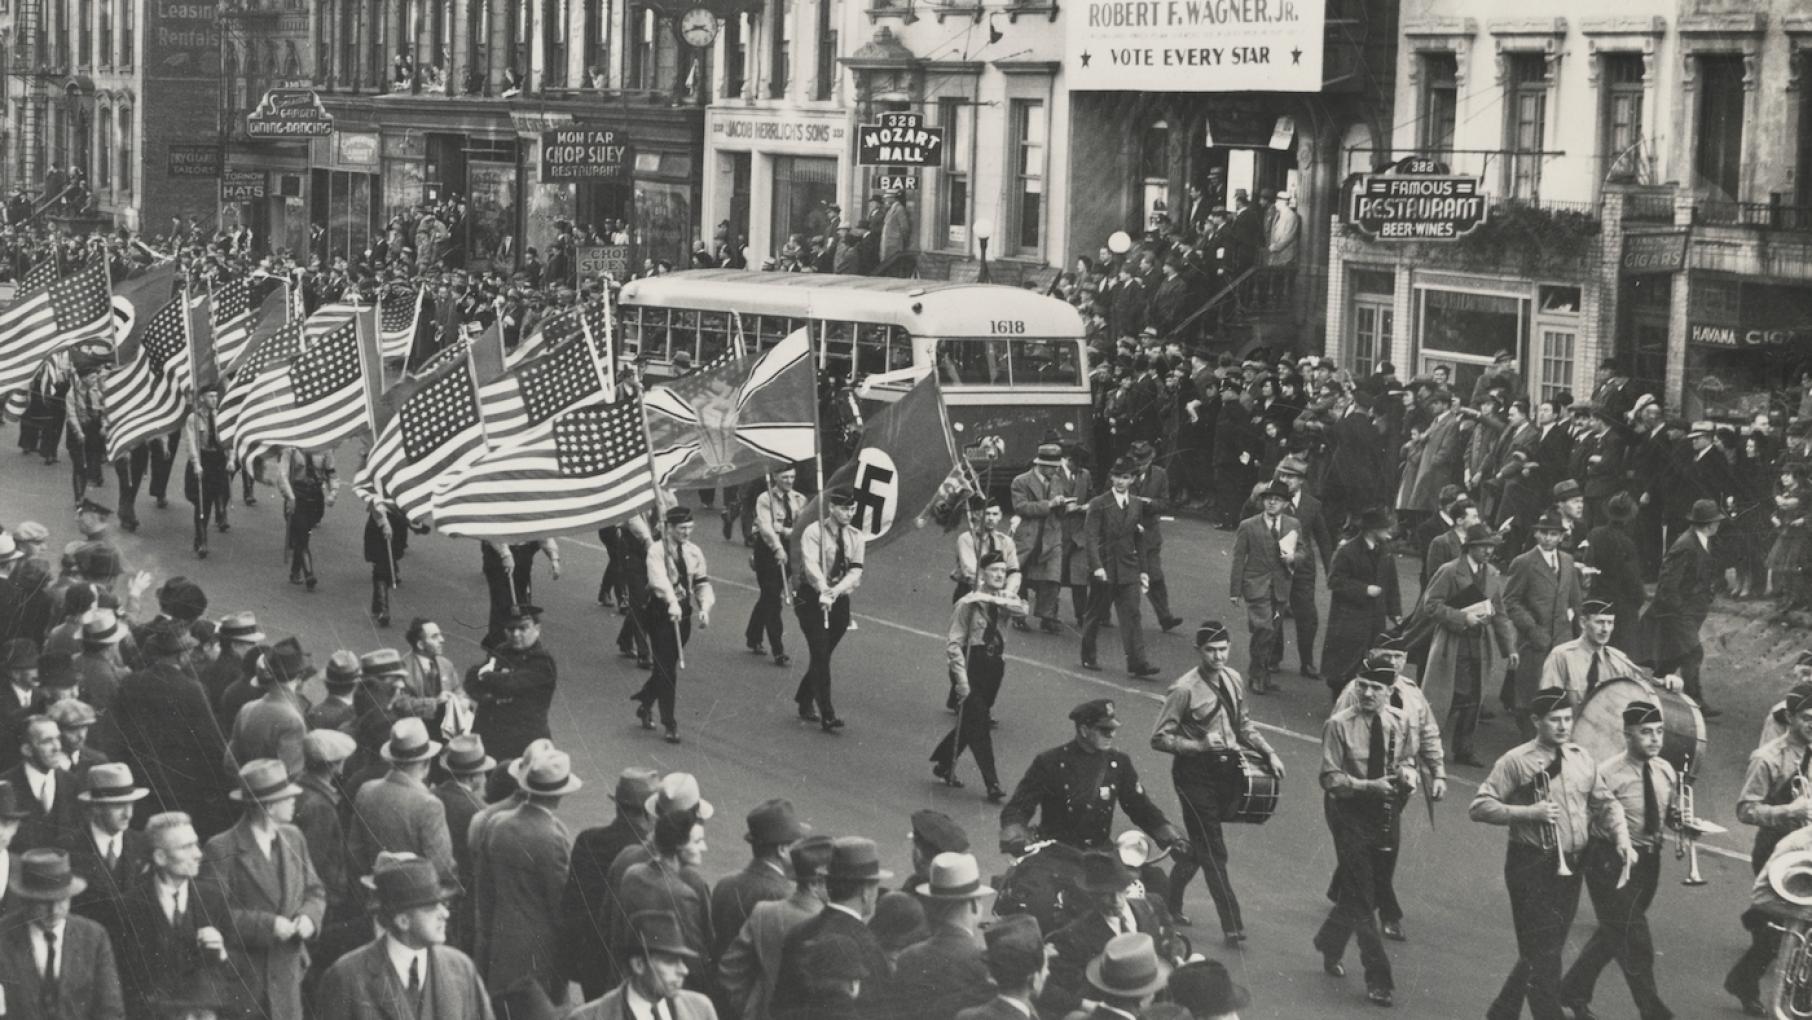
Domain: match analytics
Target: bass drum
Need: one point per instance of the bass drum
(1259, 789)
(1599, 724)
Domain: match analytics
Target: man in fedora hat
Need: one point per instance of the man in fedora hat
(179, 920)
(946, 973)
(48, 789)
(1689, 578)
(1292, 471)
(277, 899)
(1040, 497)
(657, 963)
(584, 922)
(239, 636)
(514, 688)
(273, 725)
(1206, 990)
(1363, 600)
(468, 769)
(1015, 959)
(1570, 507)
(1109, 909)
(1543, 597)
(1474, 638)
(1114, 536)
(74, 719)
(852, 885)
(336, 711)
(397, 813)
(1703, 474)
(1266, 548)
(749, 966)
(1153, 486)
(1125, 977)
(78, 978)
(152, 727)
(105, 851)
(323, 814)
(772, 828)
(1611, 549)
(408, 971)
(519, 866)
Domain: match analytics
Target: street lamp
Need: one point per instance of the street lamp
(1119, 243)
(984, 229)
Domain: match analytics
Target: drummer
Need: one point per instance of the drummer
(1582, 665)
(1774, 724)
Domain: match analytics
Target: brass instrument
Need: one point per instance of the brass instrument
(1689, 829)
(1790, 876)
(1550, 831)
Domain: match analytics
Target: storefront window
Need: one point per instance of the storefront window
(663, 221)
(804, 189)
(1462, 330)
(1746, 347)
(403, 186)
(491, 221)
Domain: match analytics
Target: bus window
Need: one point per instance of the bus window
(630, 320)
(685, 334)
(1045, 362)
(657, 334)
(871, 349)
(838, 339)
(713, 336)
(973, 362)
(899, 349)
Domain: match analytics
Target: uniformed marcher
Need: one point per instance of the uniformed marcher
(974, 654)
(1073, 789)
(1205, 726)
(1769, 802)
(634, 537)
(776, 511)
(679, 592)
(308, 484)
(207, 484)
(1644, 783)
(1775, 723)
(830, 568)
(1548, 793)
(1366, 767)
(974, 543)
(87, 438)
(1582, 664)
(514, 688)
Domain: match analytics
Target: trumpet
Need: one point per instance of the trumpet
(1690, 828)
(1550, 831)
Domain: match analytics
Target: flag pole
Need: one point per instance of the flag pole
(823, 482)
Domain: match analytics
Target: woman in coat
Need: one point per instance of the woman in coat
(1787, 557)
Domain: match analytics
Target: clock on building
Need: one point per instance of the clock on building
(698, 27)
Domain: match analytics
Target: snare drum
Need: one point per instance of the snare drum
(1256, 798)
(1599, 725)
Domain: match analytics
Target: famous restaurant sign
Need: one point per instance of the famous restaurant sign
(1417, 200)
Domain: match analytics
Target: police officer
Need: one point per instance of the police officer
(830, 568)
(679, 591)
(1073, 789)
(776, 511)
(514, 688)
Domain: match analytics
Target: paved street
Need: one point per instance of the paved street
(737, 718)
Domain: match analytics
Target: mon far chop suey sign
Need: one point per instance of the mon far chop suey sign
(1194, 45)
(1416, 200)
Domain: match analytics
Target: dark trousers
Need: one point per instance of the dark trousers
(1106, 597)
(1201, 793)
(1745, 977)
(1159, 597)
(1046, 599)
(766, 618)
(974, 729)
(1264, 638)
(87, 446)
(632, 636)
(309, 507)
(163, 460)
(1542, 905)
(42, 427)
(1463, 715)
(129, 471)
(1307, 617)
(1364, 839)
(209, 491)
(823, 632)
(1648, 533)
(610, 586)
(667, 638)
(1384, 879)
(1622, 933)
(1687, 667)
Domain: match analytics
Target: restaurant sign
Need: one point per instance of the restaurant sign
(585, 154)
(1416, 199)
(289, 113)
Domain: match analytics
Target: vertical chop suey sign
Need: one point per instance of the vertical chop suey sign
(1194, 45)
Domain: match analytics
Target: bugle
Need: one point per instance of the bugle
(1550, 831)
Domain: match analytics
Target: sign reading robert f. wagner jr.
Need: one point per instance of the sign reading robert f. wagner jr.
(1194, 45)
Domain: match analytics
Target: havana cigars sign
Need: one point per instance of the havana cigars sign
(1194, 45)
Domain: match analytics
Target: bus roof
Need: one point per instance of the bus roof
(933, 308)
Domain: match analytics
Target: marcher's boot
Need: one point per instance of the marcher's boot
(380, 603)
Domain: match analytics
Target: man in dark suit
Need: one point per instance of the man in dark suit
(1153, 488)
(1553, 448)
(336, 711)
(397, 813)
(180, 923)
(323, 814)
(1542, 594)
(1261, 576)
(750, 964)
(657, 962)
(1704, 474)
(586, 956)
(21, 698)
(272, 726)
(158, 726)
(772, 827)
(1111, 912)
(1113, 537)
(79, 979)
(1015, 961)
(852, 885)
(1292, 471)
(945, 974)
(105, 852)
(239, 635)
(440, 981)
(1363, 600)
(462, 794)
(48, 790)
(1689, 575)
(519, 868)
(1450, 544)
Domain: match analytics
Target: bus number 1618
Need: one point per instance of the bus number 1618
(1000, 327)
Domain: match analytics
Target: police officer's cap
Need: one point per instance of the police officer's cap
(1094, 713)
(89, 506)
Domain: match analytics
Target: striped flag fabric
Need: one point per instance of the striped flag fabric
(146, 397)
(230, 316)
(62, 315)
(438, 420)
(398, 313)
(549, 333)
(316, 398)
(586, 468)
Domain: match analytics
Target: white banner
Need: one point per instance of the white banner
(1194, 45)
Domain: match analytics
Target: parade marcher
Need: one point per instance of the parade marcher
(386, 540)
(207, 480)
(975, 652)
(679, 592)
(1644, 783)
(1367, 765)
(1770, 803)
(1548, 792)
(180, 921)
(1689, 577)
(1542, 596)
(1473, 639)
(1777, 721)
(1040, 497)
(78, 977)
(659, 962)
(631, 560)
(586, 956)
(1266, 547)
(408, 970)
(1204, 725)
(830, 569)
(750, 964)
(776, 511)
(87, 438)
(1114, 536)
(514, 688)
(1363, 600)
(509, 575)
(1579, 666)
(309, 485)
(981, 537)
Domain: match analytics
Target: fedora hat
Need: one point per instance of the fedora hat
(465, 755)
(409, 742)
(342, 671)
(1136, 849)
(853, 857)
(1103, 871)
(1378, 518)
(1701, 428)
(9, 549)
(1049, 455)
(384, 662)
(45, 875)
(1620, 508)
(678, 791)
(111, 783)
(22, 653)
(1549, 521)
(262, 781)
(1275, 490)
(899, 921)
(182, 598)
(954, 877)
(71, 713)
(11, 807)
(288, 662)
(1480, 534)
(102, 627)
(1142, 451)
(774, 822)
(404, 882)
(241, 627)
(1705, 511)
(1567, 489)
(635, 786)
(1206, 989)
(657, 931)
(1129, 967)
(519, 764)
(551, 775)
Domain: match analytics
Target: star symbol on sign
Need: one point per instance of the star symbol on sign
(1086, 56)
(1296, 56)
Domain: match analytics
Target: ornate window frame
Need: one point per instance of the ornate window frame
(1720, 35)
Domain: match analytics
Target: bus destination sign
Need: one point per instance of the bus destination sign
(900, 139)
(1417, 200)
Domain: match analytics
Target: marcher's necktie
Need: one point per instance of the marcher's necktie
(1396, 698)
(1591, 676)
(786, 516)
(1651, 806)
(1374, 764)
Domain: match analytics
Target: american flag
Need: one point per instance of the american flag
(231, 316)
(438, 422)
(587, 468)
(398, 312)
(42, 274)
(65, 314)
(312, 401)
(147, 396)
(549, 333)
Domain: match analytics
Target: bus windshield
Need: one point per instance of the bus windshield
(1008, 361)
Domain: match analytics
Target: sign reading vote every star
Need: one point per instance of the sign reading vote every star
(1194, 45)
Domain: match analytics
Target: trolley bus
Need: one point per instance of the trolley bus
(1012, 362)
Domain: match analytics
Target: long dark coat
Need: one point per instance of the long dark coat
(1355, 619)
(162, 726)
